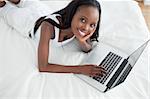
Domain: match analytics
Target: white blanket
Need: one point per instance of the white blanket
(122, 26)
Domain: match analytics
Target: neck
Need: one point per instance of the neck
(67, 32)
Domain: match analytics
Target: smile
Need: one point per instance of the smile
(81, 33)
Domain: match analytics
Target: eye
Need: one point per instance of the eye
(82, 20)
(93, 25)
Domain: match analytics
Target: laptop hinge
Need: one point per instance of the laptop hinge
(117, 73)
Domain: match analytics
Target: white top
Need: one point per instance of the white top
(57, 49)
(56, 39)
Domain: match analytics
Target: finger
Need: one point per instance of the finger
(101, 69)
(101, 66)
(97, 75)
(98, 72)
(94, 72)
(87, 36)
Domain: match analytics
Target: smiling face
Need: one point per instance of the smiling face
(85, 21)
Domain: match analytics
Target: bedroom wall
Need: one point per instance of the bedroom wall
(147, 2)
(146, 12)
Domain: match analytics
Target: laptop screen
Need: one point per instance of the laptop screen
(136, 54)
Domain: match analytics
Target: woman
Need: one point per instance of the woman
(78, 20)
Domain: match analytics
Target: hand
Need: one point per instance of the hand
(83, 39)
(92, 70)
(84, 42)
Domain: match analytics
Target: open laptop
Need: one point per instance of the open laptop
(116, 63)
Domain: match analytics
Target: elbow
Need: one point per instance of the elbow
(42, 68)
(86, 50)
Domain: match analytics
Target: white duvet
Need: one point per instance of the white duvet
(122, 26)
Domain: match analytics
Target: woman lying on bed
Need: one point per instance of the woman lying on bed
(78, 20)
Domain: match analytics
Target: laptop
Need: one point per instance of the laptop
(116, 63)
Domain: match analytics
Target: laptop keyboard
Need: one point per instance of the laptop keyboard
(124, 75)
(109, 63)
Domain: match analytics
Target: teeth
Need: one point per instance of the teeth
(81, 33)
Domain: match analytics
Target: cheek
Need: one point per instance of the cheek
(92, 31)
(75, 25)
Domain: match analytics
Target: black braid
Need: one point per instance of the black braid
(38, 23)
(49, 20)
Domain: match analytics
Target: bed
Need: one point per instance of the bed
(122, 26)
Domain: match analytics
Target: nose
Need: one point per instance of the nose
(85, 28)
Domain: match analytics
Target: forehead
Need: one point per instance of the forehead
(89, 12)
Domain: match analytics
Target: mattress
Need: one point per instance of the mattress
(122, 26)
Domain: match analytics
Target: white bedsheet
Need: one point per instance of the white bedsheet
(122, 26)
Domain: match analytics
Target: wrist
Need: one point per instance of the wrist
(75, 69)
(69, 69)
(78, 70)
(85, 46)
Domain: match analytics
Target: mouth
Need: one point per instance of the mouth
(81, 33)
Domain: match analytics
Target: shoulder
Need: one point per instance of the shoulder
(47, 30)
(54, 17)
(49, 23)
(46, 25)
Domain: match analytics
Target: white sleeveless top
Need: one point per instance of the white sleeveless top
(56, 48)
(57, 30)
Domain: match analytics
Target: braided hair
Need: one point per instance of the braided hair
(67, 14)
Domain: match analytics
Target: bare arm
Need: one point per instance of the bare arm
(43, 52)
(85, 43)
(86, 46)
